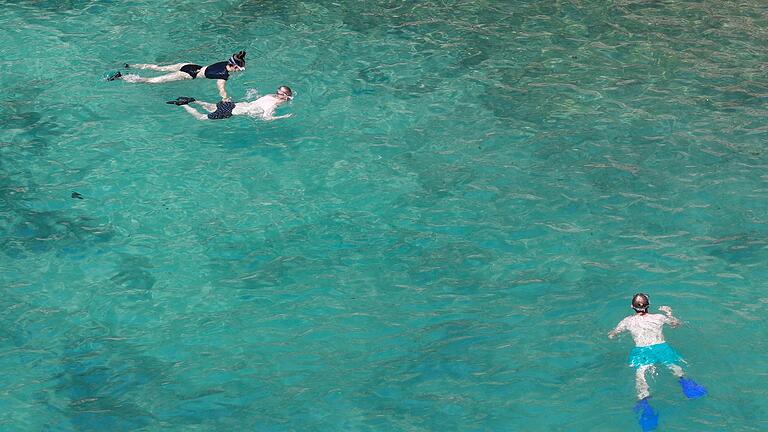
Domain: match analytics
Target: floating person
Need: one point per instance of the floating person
(651, 349)
(184, 71)
(263, 107)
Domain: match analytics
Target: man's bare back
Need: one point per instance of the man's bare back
(646, 329)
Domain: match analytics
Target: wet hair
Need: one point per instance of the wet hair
(640, 302)
(285, 90)
(237, 59)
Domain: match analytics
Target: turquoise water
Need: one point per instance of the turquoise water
(439, 239)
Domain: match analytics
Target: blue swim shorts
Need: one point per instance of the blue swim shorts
(652, 354)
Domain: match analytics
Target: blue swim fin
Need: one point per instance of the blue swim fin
(649, 418)
(691, 389)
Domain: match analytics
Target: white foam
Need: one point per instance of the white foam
(251, 94)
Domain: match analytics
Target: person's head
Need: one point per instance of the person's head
(640, 303)
(236, 62)
(284, 93)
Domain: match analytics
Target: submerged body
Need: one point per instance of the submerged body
(650, 347)
(263, 107)
(184, 71)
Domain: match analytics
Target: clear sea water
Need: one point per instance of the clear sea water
(465, 200)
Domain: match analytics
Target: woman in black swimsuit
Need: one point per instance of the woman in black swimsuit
(182, 71)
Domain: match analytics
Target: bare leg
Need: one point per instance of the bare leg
(174, 76)
(169, 68)
(676, 370)
(206, 106)
(640, 383)
(195, 113)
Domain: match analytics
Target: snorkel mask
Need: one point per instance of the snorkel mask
(641, 303)
(286, 92)
(237, 61)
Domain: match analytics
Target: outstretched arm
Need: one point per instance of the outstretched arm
(270, 118)
(221, 85)
(619, 328)
(671, 319)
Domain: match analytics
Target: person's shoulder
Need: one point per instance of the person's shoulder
(656, 317)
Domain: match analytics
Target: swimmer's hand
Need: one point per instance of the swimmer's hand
(612, 334)
(270, 118)
(672, 320)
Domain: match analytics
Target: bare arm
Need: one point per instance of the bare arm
(619, 328)
(270, 118)
(221, 85)
(671, 319)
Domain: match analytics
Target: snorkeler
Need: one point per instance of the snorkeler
(650, 349)
(263, 107)
(183, 71)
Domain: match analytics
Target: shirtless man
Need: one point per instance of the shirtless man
(263, 107)
(650, 349)
(184, 71)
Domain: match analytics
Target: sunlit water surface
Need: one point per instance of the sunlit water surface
(439, 239)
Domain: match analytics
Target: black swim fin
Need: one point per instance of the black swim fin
(115, 76)
(181, 100)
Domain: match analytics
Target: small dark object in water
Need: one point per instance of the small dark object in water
(77, 195)
(127, 66)
(114, 76)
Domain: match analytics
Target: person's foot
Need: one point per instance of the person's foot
(115, 76)
(181, 100)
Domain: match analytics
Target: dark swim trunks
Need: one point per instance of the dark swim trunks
(191, 69)
(223, 110)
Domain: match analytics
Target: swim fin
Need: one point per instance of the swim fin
(181, 100)
(114, 76)
(691, 389)
(649, 418)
